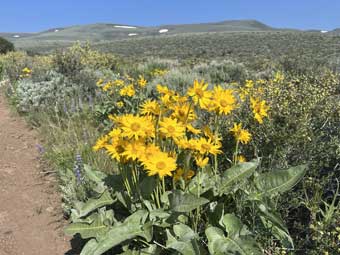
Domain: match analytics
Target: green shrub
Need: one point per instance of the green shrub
(5, 46)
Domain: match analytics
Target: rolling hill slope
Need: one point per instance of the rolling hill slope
(101, 32)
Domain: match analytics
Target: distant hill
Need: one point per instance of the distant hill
(335, 31)
(100, 32)
(13, 36)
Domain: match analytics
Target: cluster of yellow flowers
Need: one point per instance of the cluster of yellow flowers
(159, 72)
(26, 72)
(169, 125)
(126, 86)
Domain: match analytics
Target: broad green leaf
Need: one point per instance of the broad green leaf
(277, 182)
(147, 186)
(88, 230)
(93, 175)
(273, 222)
(232, 224)
(236, 174)
(215, 213)
(151, 250)
(218, 244)
(185, 241)
(97, 177)
(94, 203)
(88, 248)
(185, 202)
(132, 227)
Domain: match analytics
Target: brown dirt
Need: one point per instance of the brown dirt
(30, 215)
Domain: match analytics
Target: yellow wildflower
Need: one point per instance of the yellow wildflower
(208, 133)
(201, 161)
(136, 127)
(241, 159)
(119, 82)
(199, 93)
(101, 142)
(134, 150)
(205, 146)
(183, 143)
(141, 81)
(160, 163)
(150, 150)
(164, 90)
(120, 104)
(260, 109)
(224, 100)
(171, 128)
(183, 112)
(150, 107)
(193, 130)
(26, 70)
(116, 148)
(127, 91)
(100, 82)
(249, 84)
(241, 135)
(107, 86)
(114, 133)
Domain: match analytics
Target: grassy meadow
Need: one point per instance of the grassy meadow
(189, 143)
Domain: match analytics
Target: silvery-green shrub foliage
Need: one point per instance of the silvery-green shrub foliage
(37, 94)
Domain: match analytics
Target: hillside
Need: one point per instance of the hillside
(100, 32)
(335, 31)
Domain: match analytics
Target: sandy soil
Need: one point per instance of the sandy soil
(30, 215)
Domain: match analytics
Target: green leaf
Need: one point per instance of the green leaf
(88, 248)
(219, 244)
(273, 222)
(151, 250)
(185, 241)
(132, 227)
(88, 230)
(279, 181)
(93, 175)
(234, 226)
(236, 174)
(184, 202)
(93, 204)
(147, 186)
(97, 177)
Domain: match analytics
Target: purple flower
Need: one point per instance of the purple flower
(78, 168)
(40, 148)
(65, 107)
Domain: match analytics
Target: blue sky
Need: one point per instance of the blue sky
(37, 15)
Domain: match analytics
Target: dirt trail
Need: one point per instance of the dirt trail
(30, 212)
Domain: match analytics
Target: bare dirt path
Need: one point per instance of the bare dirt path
(30, 215)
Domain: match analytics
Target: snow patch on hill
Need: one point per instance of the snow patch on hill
(124, 27)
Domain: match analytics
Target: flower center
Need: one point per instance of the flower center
(199, 92)
(171, 129)
(160, 165)
(223, 103)
(135, 126)
(181, 113)
(205, 147)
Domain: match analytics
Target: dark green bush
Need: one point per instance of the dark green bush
(5, 46)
